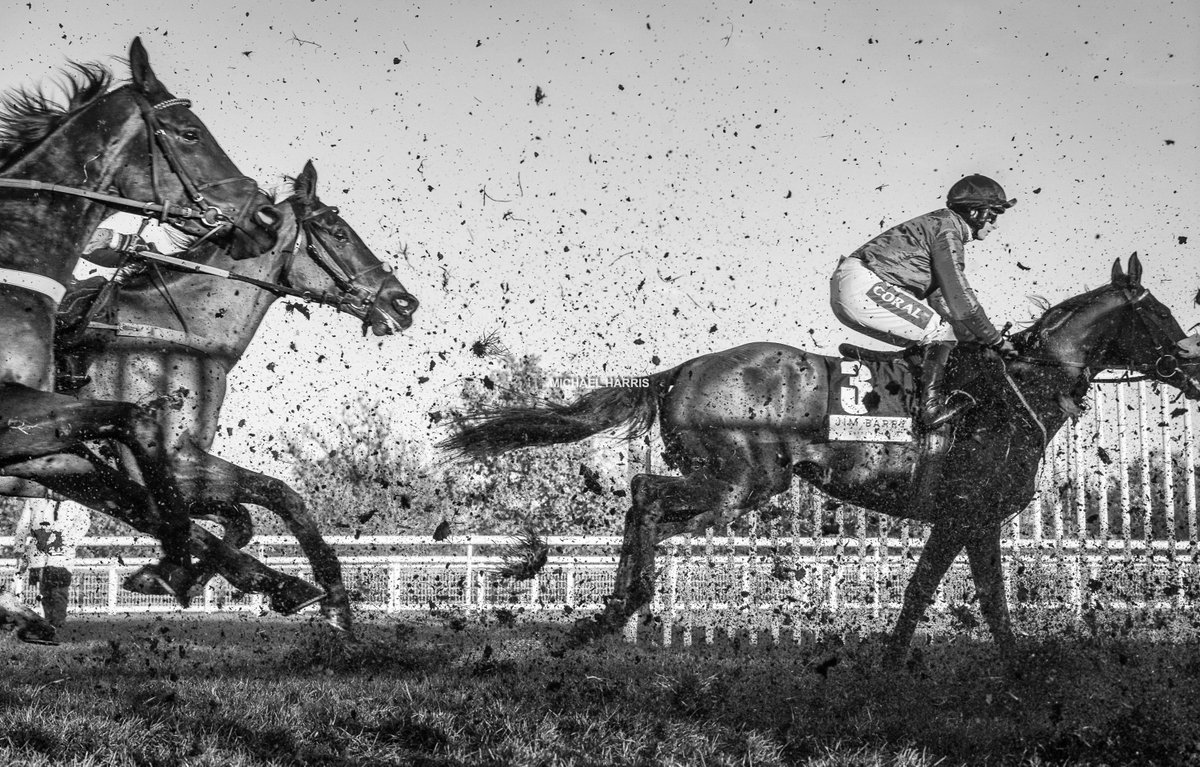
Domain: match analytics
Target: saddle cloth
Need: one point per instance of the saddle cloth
(873, 396)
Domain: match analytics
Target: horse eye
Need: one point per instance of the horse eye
(190, 135)
(340, 235)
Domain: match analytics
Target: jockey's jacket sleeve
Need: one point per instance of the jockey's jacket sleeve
(963, 307)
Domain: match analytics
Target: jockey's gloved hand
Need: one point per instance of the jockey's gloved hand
(1005, 349)
(107, 239)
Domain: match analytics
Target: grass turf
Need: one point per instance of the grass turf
(203, 690)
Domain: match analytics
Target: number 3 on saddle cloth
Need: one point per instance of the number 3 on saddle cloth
(874, 396)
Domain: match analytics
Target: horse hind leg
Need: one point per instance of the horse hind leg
(662, 507)
(987, 571)
(41, 424)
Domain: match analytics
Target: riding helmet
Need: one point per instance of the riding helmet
(978, 191)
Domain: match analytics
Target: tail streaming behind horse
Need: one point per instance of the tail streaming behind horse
(497, 431)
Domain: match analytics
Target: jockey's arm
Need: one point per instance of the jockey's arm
(961, 305)
(122, 233)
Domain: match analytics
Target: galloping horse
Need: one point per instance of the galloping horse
(740, 423)
(166, 343)
(136, 147)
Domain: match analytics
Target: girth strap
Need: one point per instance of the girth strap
(38, 283)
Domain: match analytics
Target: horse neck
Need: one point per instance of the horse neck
(216, 309)
(45, 232)
(1076, 338)
(1063, 355)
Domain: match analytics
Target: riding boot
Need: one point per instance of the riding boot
(936, 407)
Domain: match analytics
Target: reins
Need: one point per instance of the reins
(165, 210)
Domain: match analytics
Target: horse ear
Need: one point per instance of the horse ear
(1118, 277)
(306, 183)
(1135, 271)
(143, 76)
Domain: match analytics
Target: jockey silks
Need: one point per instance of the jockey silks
(925, 256)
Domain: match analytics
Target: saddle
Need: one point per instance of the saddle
(850, 351)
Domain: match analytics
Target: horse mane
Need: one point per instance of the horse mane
(1053, 317)
(29, 115)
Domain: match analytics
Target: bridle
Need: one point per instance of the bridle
(207, 213)
(1166, 365)
(351, 290)
(211, 216)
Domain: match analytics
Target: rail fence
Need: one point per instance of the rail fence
(1112, 532)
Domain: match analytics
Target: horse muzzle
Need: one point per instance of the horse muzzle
(392, 311)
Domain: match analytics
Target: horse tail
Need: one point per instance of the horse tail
(492, 432)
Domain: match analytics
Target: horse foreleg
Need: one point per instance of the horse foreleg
(943, 545)
(205, 476)
(237, 531)
(983, 551)
(115, 494)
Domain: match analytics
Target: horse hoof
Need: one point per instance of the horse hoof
(37, 633)
(161, 579)
(585, 631)
(340, 620)
(894, 658)
(294, 596)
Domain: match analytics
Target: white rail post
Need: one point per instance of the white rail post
(468, 592)
(1123, 463)
(1104, 505)
(393, 587)
(114, 586)
(671, 608)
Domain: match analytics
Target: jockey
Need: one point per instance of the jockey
(887, 287)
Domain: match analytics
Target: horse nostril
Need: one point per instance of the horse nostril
(268, 217)
(406, 304)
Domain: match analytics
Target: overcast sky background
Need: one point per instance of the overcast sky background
(689, 179)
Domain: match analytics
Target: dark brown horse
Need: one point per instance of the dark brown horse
(163, 342)
(740, 423)
(61, 169)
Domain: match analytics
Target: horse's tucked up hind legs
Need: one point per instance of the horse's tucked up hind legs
(42, 429)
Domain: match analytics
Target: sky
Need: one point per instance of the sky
(688, 179)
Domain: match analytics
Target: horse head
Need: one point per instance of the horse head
(1119, 326)
(340, 269)
(163, 153)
